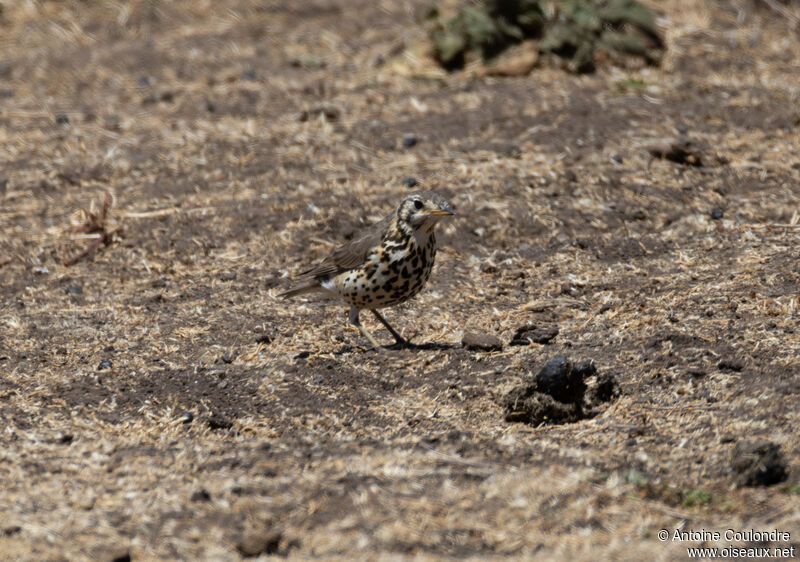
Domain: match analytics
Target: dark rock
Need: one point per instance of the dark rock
(74, 290)
(302, 355)
(758, 463)
(218, 421)
(716, 214)
(530, 333)
(264, 338)
(105, 364)
(560, 380)
(121, 556)
(409, 141)
(410, 182)
(62, 119)
(558, 393)
(258, 543)
(187, 417)
(201, 495)
(481, 342)
(616, 158)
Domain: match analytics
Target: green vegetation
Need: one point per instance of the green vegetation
(575, 30)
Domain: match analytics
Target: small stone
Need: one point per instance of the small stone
(616, 158)
(302, 355)
(560, 380)
(410, 182)
(481, 342)
(258, 543)
(530, 333)
(201, 495)
(105, 364)
(758, 463)
(187, 417)
(74, 290)
(62, 119)
(11, 530)
(409, 140)
(41, 270)
(716, 214)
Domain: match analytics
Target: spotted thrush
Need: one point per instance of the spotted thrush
(387, 264)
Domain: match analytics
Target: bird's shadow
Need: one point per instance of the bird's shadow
(428, 346)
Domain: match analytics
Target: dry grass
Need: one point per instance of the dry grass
(189, 117)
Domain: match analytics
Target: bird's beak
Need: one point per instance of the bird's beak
(443, 212)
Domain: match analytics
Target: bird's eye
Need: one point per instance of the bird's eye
(418, 204)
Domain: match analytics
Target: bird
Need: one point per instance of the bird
(384, 265)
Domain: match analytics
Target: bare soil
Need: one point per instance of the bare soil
(160, 402)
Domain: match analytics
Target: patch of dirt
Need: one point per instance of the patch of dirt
(161, 402)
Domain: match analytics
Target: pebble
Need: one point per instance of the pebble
(410, 182)
(481, 342)
(409, 140)
(105, 364)
(187, 417)
(716, 214)
(62, 119)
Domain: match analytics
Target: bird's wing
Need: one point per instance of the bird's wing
(352, 254)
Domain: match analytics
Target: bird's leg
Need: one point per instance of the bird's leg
(397, 337)
(353, 317)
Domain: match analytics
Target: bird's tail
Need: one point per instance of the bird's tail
(311, 287)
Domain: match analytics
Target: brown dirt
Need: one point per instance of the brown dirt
(304, 443)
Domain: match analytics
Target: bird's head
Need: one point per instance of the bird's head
(423, 209)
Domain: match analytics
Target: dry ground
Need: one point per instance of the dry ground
(191, 115)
